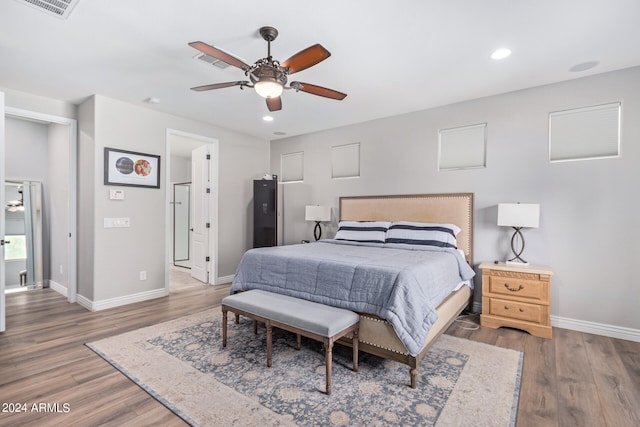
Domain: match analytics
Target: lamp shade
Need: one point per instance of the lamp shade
(317, 213)
(525, 215)
(268, 88)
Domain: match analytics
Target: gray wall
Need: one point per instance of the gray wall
(119, 254)
(588, 231)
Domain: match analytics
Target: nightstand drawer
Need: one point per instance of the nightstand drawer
(521, 288)
(517, 310)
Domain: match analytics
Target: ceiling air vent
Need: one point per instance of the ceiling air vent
(59, 8)
(210, 60)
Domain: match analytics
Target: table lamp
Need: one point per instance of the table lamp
(317, 214)
(518, 216)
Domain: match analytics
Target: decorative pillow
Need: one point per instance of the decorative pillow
(362, 231)
(421, 233)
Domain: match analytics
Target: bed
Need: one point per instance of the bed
(385, 331)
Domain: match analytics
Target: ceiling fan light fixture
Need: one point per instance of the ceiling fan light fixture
(268, 88)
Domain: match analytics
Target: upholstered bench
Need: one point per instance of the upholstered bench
(304, 318)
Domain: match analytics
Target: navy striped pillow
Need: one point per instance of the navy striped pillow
(362, 231)
(420, 233)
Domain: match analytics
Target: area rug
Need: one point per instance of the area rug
(182, 364)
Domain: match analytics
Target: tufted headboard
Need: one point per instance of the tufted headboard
(452, 208)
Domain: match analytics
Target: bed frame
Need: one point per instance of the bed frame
(377, 336)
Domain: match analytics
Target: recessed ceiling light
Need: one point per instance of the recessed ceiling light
(500, 53)
(584, 66)
(152, 100)
(267, 118)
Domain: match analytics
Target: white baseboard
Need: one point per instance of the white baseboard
(61, 289)
(596, 328)
(118, 301)
(225, 279)
(611, 331)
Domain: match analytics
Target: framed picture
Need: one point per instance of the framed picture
(122, 167)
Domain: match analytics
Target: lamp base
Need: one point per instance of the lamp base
(317, 231)
(517, 263)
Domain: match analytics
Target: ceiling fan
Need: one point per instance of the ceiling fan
(269, 77)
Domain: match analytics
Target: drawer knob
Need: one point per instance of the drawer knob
(521, 310)
(520, 287)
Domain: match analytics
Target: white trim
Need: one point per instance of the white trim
(225, 279)
(61, 289)
(611, 331)
(119, 301)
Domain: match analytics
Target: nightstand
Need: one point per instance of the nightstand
(517, 297)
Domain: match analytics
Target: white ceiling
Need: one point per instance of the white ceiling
(390, 57)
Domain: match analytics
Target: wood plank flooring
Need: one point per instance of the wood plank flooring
(576, 379)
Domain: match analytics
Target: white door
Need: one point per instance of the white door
(200, 222)
(2, 304)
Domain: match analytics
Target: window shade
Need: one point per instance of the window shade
(462, 147)
(292, 167)
(585, 133)
(345, 161)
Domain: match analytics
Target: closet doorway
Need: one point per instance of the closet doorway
(58, 191)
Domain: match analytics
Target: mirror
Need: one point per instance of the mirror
(181, 225)
(23, 235)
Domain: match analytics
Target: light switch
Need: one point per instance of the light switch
(117, 222)
(116, 194)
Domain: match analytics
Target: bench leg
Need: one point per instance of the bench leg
(237, 318)
(354, 345)
(328, 350)
(255, 327)
(413, 373)
(298, 342)
(224, 327)
(269, 330)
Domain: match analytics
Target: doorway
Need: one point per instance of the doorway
(193, 160)
(59, 271)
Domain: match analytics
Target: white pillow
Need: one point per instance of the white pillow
(362, 231)
(422, 233)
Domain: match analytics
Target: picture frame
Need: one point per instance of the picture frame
(131, 168)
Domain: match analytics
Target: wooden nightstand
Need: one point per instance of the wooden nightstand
(517, 297)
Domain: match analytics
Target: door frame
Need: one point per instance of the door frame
(72, 219)
(213, 206)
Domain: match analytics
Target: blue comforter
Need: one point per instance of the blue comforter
(400, 283)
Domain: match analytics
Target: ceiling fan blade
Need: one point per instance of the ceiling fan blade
(306, 58)
(318, 90)
(219, 54)
(219, 86)
(274, 104)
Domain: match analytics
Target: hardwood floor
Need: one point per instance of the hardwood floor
(576, 379)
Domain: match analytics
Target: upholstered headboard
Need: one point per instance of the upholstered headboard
(453, 208)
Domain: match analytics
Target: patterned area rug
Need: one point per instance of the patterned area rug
(183, 365)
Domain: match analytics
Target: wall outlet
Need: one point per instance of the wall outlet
(143, 275)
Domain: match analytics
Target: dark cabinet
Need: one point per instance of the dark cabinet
(265, 213)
